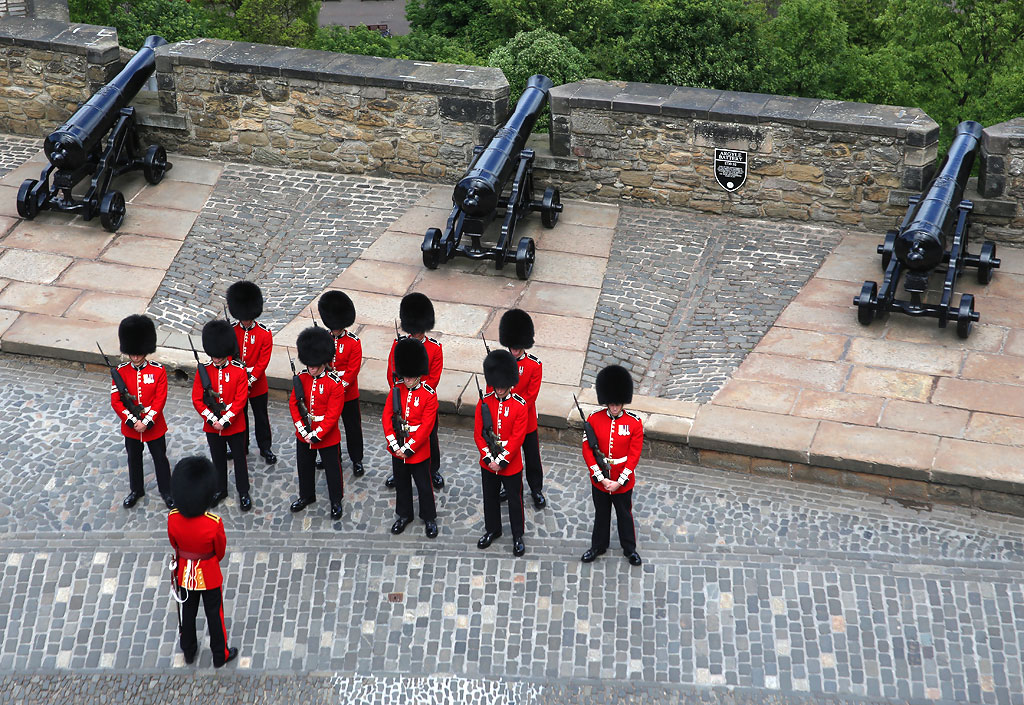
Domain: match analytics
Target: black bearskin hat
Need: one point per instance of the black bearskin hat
(515, 330)
(336, 310)
(614, 385)
(219, 338)
(245, 301)
(315, 346)
(137, 335)
(411, 359)
(501, 369)
(193, 484)
(416, 313)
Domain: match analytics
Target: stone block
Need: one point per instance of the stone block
(372, 385)
(912, 357)
(793, 342)
(814, 374)
(1003, 369)
(993, 428)
(61, 338)
(979, 396)
(452, 285)
(450, 390)
(826, 319)
(771, 468)
(396, 248)
(575, 239)
(732, 462)
(376, 277)
(891, 384)
(788, 110)
(736, 106)
(59, 238)
(1003, 503)
(873, 450)
(35, 298)
(951, 494)
(141, 251)
(594, 215)
(177, 195)
(909, 489)
(573, 270)
(668, 407)
(158, 222)
(867, 482)
(837, 406)
(7, 319)
(416, 220)
(690, 102)
(817, 475)
(105, 308)
(662, 427)
(554, 404)
(33, 267)
(984, 337)
(561, 332)
(757, 396)
(471, 110)
(924, 418)
(752, 433)
(113, 278)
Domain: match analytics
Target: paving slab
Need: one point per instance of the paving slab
(377, 342)
(1005, 369)
(666, 407)
(178, 195)
(984, 337)
(32, 169)
(979, 396)
(196, 171)
(396, 247)
(554, 404)
(559, 299)
(912, 357)
(463, 319)
(373, 389)
(576, 239)
(113, 278)
(1000, 312)
(815, 374)
(450, 390)
(561, 366)
(827, 319)
(672, 429)
(105, 308)
(574, 270)
(794, 342)
(158, 222)
(924, 418)
(139, 251)
(7, 319)
(37, 298)
(758, 396)
(995, 428)
(1014, 344)
(416, 220)
(377, 277)
(446, 284)
(563, 332)
(593, 214)
(891, 384)
(51, 336)
(874, 450)
(8, 201)
(1003, 285)
(981, 465)
(71, 240)
(6, 224)
(839, 406)
(826, 292)
(437, 197)
(756, 433)
(31, 266)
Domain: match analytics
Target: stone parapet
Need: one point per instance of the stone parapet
(1001, 177)
(808, 159)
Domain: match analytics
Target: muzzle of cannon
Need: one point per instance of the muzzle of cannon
(478, 196)
(76, 149)
(917, 249)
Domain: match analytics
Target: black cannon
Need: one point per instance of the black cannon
(478, 195)
(76, 150)
(918, 247)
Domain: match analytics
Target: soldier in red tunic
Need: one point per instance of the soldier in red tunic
(416, 314)
(620, 438)
(199, 543)
(501, 457)
(255, 343)
(407, 431)
(338, 313)
(223, 409)
(147, 382)
(316, 417)
(515, 332)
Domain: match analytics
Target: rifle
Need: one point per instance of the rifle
(397, 422)
(175, 593)
(127, 398)
(493, 443)
(591, 435)
(486, 346)
(300, 397)
(210, 398)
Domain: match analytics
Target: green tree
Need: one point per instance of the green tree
(359, 40)
(812, 57)
(420, 46)
(468, 20)
(135, 20)
(539, 51)
(282, 22)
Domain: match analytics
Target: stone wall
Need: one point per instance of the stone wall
(48, 67)
(810, 160)
(332, 112)
(1001, 181)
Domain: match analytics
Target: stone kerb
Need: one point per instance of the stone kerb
(48, 67)
(808, 159)
(333, 112)
(1002, 177)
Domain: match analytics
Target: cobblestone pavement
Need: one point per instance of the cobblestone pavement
(15, 151)
(690, 295)
(751, 591)
(292, 232)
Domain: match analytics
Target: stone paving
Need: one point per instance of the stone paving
(15, 151)
(785, 592)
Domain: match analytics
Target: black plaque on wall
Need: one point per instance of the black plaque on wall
(730, 168)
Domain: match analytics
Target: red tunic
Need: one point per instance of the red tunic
(231, 384)
(434, 354)
(620, 440)
(199, 543)
(528, 387)
(325, 398)
(256, 345)
(348, 358)
(419, 410)
(148, 384)
(509, 420)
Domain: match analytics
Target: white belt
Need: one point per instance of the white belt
(618, 461)
(414, 428)
(318, 418)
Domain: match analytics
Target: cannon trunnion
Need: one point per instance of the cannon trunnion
(76, 150)
(918, 247)
(478, 195)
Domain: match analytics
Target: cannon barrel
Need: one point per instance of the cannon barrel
(921, 246)
(69, 146)
(478, 191)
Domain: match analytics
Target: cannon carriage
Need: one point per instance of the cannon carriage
(917, 249)
(479, 195)
(76, 150)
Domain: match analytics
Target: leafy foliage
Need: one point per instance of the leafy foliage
(173, 20)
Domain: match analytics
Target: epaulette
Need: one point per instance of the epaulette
(211, 515)
(236, 363)
(123, 364)
(631, 413)
(173, 511)
(334, 375)
(434, 341)
(352, 335)
(533, 357)
(428, 388)
(518, 398)
(155, 364)
(263, 326)
(488, 394)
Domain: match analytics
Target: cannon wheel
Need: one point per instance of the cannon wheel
(886, 248)
(112, 210)
(548, 211)
(526, 253)
(865, 307)
(432, 248)
(28, 207)
(154, 164)
(965, 315)
(985, 259)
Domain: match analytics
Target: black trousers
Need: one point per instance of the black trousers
(158, 449)
(213, 605)
(492, 505)
(531, 458)
(623, 503)
(219, 455)
(353, 422)
(260, 422)
(305, 459)
(405, 475)
(435, 450)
